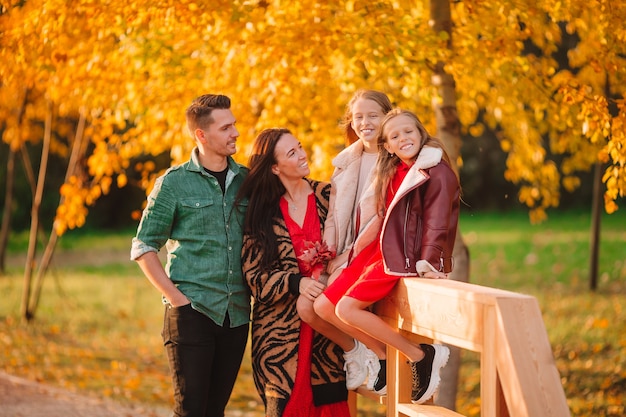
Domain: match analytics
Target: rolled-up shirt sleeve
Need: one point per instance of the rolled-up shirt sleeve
(156, 221)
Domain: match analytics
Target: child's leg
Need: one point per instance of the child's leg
(338, 284)
(426, 360)
(359, 360)
(354, 313)
(325, 309)
(308, 315)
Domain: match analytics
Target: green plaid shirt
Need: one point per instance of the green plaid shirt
(202, 231)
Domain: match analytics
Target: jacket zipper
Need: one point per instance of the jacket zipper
(407, 264)
(441, 262)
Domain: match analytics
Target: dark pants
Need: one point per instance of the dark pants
(204, 360)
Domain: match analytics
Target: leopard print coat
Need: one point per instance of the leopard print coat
(276, 325)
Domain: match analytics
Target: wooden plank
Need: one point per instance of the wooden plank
(518, 374)
(415, 410)
(462, 290)
(416, 305)
(380, 399)
(352, 404)
(393, 372)
(530, 380)
(488, 365)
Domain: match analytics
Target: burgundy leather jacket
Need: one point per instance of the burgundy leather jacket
(419, 227)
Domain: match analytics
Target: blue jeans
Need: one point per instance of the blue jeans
(204, 360)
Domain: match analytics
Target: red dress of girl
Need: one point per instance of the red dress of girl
(364, 278)
(300, 403)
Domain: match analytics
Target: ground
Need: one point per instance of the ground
(23, 398)
(20, 397)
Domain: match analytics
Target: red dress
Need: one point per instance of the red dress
(364, 278)
(300, 402)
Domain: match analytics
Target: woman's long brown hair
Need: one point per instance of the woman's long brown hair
(263, 190)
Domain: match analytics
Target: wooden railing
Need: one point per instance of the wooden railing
(518, 375)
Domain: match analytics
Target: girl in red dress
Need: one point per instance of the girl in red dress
(417, 194)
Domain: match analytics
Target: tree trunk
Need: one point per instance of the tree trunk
(596, 202)
(30, 175)
(28, 169)
(448, 130)
(595, 226)
(78, 151)
(5, 230)
(6, 212)
(34, 223)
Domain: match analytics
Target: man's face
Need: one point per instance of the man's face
(221, 136)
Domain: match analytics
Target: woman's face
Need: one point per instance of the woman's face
(291, 159)
(402, 138)
(366, 117)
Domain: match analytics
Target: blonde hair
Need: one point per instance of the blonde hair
(346, 123)
(387, 164)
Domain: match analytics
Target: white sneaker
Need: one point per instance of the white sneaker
(355, 365)
(373, 367)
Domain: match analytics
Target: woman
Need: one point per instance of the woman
(418, 194)
(365, 357)
(297, 372)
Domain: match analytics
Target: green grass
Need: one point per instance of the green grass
(587, 330)
(97, 328)
(508, 252)
(79, 239)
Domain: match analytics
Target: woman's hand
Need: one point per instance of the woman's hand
(310, 288)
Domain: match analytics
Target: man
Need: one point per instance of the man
(191, 211)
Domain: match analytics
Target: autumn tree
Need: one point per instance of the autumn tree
(108, 83)
(133, 67)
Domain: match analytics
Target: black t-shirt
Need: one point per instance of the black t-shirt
(220, 176)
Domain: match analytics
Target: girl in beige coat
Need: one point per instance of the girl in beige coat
(349, 186)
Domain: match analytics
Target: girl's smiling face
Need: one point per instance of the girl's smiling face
(402, 138)
(366, 117)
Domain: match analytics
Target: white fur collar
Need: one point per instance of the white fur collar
(348, 155)
(427, 158)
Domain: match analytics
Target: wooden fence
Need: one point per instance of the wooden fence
(518, 375)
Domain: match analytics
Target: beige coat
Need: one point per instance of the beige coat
(338, 229)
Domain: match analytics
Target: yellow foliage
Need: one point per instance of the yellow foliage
(122, 180)
(570, 183)
(134, 67)
(477, 129)
(537, 215)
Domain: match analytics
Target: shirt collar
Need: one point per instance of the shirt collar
(194, 163)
